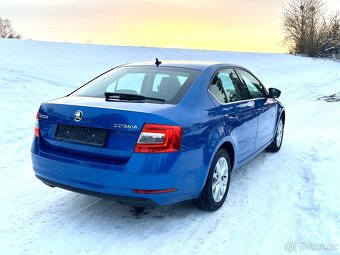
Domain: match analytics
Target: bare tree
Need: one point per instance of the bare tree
(307, 31)
(6, 30)
(329, 38)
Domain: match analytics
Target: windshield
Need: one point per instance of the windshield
(167, 83)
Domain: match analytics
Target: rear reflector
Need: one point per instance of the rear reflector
(157, 191)
(36, 127)
(156, 138)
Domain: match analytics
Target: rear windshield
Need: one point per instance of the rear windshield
(167, 83)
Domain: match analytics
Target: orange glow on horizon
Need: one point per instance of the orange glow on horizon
(244, 25)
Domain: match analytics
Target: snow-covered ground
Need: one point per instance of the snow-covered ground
(291, 196)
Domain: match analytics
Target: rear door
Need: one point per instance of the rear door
(265, 108)
(237, 111)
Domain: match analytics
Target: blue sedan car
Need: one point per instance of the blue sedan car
(157, 133)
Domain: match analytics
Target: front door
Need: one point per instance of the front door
(265, 108)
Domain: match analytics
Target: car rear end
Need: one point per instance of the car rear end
(112, 146)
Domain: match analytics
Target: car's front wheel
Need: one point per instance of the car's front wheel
(216, 187)
(277, 141)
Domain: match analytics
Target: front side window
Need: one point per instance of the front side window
(167, 83)
(255, 88)
(226, 87)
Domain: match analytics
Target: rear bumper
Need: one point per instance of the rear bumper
(117, 181)
(134, 201)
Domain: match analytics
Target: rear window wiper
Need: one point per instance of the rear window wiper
(123, 96)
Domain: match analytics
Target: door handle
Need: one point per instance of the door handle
(259, 110)
(233, 117)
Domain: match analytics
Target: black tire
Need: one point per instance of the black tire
(206, 200)
(275, 146)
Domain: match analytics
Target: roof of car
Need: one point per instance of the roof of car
(200, 65)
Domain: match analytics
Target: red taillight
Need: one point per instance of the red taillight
(36, 127)
(156, 138)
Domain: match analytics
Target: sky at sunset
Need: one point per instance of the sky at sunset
(242, 25)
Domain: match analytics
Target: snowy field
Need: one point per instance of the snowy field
(291, 197)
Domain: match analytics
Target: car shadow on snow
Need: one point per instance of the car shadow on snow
(83, 214)
(106, 208)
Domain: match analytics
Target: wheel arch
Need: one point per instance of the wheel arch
(228, 144)
(283, 116)
(231, 152)
(230, 148)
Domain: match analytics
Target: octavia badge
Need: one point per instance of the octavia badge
(78, 115)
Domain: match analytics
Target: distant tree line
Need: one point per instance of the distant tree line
(6, 30)
(309, 32)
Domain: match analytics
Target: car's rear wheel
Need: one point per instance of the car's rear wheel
(277, 142)
(216, 187)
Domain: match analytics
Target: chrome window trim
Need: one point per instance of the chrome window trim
(235, 102)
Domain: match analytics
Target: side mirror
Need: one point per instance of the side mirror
(274, 93)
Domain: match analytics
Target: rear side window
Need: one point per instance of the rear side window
(227, 87)
(167, 83)
(255, 88)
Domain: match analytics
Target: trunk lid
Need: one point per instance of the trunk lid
(120, 123)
